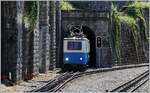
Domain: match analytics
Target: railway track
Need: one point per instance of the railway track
(61, 80)
(54, 82)
(133, 84)
(57, 83)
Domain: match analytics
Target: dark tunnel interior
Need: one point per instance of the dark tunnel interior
(91, 36)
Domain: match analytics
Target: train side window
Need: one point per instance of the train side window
(98, 42)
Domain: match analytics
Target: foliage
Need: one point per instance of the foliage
(67, 6)
(127, 19)
(138, 8)
(133, 17)
(139, 5)
(117, 27)
(30, 16)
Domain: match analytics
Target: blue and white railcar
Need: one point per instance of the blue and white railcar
(76, 51)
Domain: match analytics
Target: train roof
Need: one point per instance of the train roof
(74, 38)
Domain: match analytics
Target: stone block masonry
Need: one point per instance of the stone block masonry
(44, 35)
(52, 32)
(97, 24)
(26, 54)
(129, 54)
(12, 13)
(36, 49)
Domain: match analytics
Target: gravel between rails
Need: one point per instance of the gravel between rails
(144, 87)
(103, 81)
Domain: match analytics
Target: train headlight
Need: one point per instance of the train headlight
(67, 59)
(81, 58)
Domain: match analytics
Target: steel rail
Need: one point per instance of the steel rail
(52, 83)
(74, 76)
(58, 82)
(128, 85)
(58, 87)
(138, 86)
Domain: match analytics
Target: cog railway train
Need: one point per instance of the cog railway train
(76, 52)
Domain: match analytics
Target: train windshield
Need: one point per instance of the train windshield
(74, 46)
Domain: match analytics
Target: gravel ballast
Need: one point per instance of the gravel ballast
(103, 81)
(143, 88)
(37, 81)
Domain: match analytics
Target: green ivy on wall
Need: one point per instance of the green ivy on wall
(30, 15)
(66, 6)
(132, 16)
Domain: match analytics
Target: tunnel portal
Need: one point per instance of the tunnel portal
(96, 28)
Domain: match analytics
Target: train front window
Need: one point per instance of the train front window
(74, 46)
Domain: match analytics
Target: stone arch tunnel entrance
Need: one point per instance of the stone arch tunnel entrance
(95, 24)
